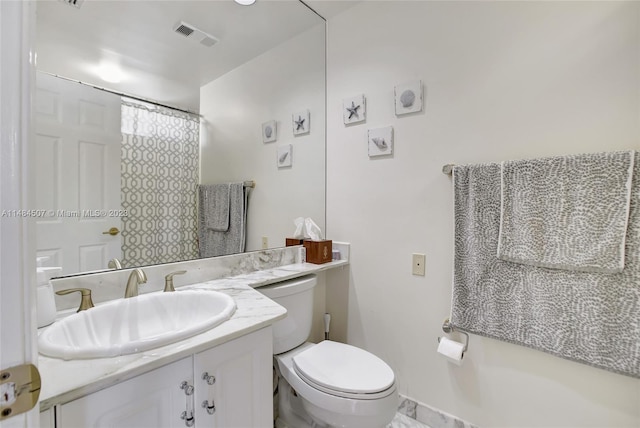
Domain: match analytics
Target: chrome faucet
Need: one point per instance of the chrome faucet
(137, 277)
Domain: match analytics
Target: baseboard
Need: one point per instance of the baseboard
(430, 416)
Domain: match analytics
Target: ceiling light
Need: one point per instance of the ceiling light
(110, 72)
(245, 2)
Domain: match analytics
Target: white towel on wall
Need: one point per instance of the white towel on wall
(566, 212)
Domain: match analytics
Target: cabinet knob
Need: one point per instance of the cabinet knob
(209, 379)
(188, 389)
(188, 418)
(211, 408)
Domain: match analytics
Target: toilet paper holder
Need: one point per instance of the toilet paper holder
(447, 327)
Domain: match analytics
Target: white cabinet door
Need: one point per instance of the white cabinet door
(153, 400)
(243, 387)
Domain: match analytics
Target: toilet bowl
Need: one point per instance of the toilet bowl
(329, 384)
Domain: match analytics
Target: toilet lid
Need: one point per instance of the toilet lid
(343, 368)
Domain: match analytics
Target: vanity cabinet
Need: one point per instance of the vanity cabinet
(234, 383)
(233, 380)
(153, 399)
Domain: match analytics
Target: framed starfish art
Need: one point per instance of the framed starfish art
(300, 122)
(354, 109)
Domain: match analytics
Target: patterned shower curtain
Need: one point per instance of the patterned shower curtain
(159, 178)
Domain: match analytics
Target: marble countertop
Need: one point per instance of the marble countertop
(64, 381)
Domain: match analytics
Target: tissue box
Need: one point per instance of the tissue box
(293, 241)
(318, 252)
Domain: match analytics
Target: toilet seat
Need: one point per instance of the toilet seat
(345, 371)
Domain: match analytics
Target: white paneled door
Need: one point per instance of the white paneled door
(17, 264)
(77, 154)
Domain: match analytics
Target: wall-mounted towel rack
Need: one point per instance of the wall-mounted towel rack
(250, 183)
(448, 328)
(448, 169)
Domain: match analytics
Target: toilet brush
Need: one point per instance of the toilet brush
(327, 321)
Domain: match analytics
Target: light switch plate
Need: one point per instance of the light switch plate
(418, 264)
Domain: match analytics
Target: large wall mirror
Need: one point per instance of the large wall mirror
(240, 70)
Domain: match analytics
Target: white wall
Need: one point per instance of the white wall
(503, 80)
(283, 81)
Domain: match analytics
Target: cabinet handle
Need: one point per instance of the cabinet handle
(209, 379)
(188, 418)
(188, 389)
(211, 408)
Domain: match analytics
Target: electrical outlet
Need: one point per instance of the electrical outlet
(418, 264)
(265, 242)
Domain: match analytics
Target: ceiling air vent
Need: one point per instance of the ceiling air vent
(75, 3)
(193, 33)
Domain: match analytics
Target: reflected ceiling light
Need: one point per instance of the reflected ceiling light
(245, 2)
(110, 72)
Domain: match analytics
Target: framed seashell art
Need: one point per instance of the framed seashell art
(408, 97)
(269, 132)
(285, 154)
(380, 141)
(300, 122)
(354, 109)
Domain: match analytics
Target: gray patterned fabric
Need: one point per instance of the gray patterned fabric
(158, 178)
(566, 212)
(215, 243)
(592, 318)
(214, 203)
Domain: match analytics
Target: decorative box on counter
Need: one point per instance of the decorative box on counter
(318, 252)
(289, 242)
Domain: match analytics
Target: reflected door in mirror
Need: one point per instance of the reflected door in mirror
(77, 149)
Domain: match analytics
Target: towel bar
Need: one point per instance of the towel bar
(448, 328)
(448, 169)
(250, 183)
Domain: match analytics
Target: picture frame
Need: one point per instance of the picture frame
(285, 154)
(301, 122)
(269, 131)
(380, 141)
(408, 97)
(354, 109)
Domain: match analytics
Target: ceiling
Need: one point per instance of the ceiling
(158, 64)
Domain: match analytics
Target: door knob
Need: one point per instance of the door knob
(113, 231)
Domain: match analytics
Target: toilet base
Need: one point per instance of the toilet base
(291, 413)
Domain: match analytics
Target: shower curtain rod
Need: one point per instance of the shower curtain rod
(122, 94)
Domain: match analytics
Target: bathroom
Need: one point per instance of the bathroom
(501, 80)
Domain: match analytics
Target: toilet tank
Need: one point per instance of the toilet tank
(296, 295)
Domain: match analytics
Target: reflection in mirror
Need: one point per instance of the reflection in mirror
(118, 170)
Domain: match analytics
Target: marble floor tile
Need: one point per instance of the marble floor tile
(402, 421)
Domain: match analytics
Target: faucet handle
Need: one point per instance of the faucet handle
(168, 280)
(85, 302)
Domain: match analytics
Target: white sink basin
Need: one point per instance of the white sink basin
(127, 326)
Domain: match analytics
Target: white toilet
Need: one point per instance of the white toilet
(330, 384)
